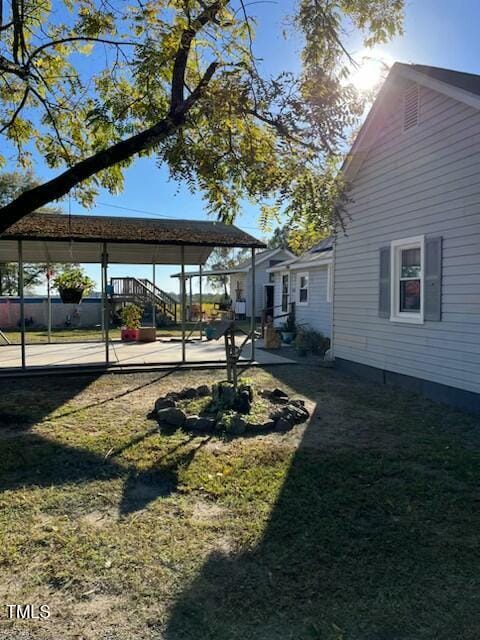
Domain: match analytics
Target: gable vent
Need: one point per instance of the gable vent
(411, 100)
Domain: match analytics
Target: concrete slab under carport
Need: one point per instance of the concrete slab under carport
(125, 354)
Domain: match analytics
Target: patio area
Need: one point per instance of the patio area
(162, 352)
(105, 240)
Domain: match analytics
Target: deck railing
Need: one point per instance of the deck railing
(143, 292)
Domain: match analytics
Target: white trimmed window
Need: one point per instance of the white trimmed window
(408, 272)
(302, 286)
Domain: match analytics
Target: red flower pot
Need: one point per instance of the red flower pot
(129, 335)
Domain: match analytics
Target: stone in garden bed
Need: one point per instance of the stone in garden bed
(264, 427)
(164, 403)
(279, 393)
(298, 402)
(200, 423)
(283, 424)
(188, 394)
(299, 414)
(203, 390)
(236, 426)
(284, 414)
(173, 416)
(243, 403)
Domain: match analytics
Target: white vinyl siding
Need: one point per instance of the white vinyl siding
(418, 182)
(317, 314)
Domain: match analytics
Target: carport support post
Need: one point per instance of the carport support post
(49, 305)
(200, 302)
(253, 310)
(106, 322)
(183, 299)
(22, 301)
(190, 299)
(154, 308)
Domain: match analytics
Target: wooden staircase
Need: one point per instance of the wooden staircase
(145, 294)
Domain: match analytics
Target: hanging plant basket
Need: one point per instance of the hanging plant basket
(71, 295)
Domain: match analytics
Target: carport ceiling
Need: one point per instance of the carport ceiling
(63, 238)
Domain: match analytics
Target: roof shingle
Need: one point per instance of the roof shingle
(117, 229)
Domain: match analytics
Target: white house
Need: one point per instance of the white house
(407, 270)
(306, 281)
(240, 281)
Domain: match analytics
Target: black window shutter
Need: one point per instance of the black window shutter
(384, 283)
(433, 279)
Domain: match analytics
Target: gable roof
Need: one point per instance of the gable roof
(464, 87)
(261, 257)
(242, 267)
(319, 255)
(459, 79)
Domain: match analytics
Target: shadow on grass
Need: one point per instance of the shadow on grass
(160, 481)
(362, 543)
(39, 462)
(32, 460)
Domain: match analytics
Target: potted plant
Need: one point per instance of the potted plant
(302, 343)
(72, 285)
(315, 341)
(131, 317)
(288, 330)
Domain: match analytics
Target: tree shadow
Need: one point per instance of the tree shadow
(21, 408)
(361, 544)
(160, 481)
(39, 461)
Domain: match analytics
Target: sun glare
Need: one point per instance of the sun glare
(372, 68)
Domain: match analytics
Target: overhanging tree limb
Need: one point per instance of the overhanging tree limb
(58, 187)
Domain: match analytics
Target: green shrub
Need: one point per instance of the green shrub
(131, 316)
(74, 278)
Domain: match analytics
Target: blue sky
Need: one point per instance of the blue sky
(437, 32)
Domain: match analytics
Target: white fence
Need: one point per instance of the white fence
(84, 315)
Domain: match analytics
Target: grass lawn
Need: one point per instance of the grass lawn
(362, 525)
(87, 335)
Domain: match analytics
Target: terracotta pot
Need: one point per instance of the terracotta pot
(128, 335)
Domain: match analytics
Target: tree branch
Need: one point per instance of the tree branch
(17, 110)
(181, 59)
(56, 188)
(53, 43)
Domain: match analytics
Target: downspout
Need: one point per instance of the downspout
(332, 302)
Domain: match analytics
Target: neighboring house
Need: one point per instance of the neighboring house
(240, 281)
(306, 281)
(407, 270)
